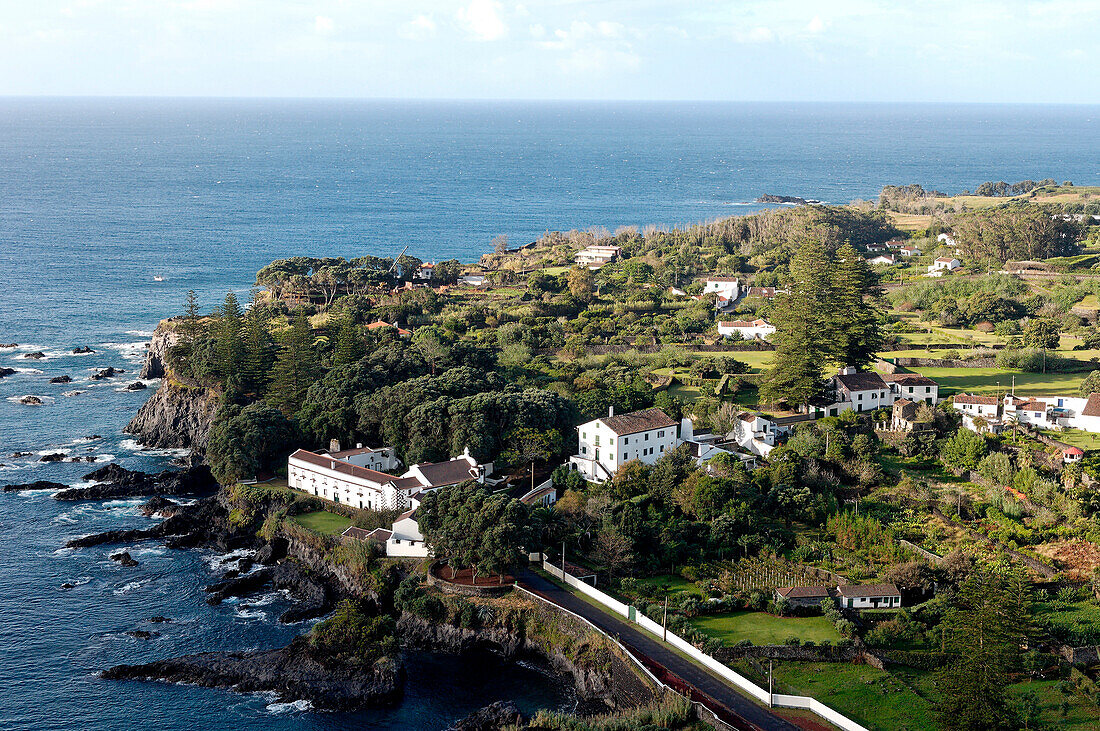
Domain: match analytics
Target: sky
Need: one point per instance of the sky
(1034, 51)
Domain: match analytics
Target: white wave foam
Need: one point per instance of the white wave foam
(131, 586)
(293, 706)
(147, 551)
(129, 351)
(76, 392)
(221, 561)
(140, 333)
(245, 614)
(33, 371)
(100, 458)
(65, 519)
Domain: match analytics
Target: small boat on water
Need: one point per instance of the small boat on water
(158, 278)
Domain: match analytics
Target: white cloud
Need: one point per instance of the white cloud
(419, 28)
(324, 25)
(596, 60)
(538, 31)
(816, 25)
(482, 19)
(593, 49)
(759, 34)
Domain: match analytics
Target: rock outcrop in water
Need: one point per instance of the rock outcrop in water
(36, 485)
(61, 379)
(108, 372)
(115, 482)
(292, 672)
(156, 357)
(175, 416)
(502, 714)
(5, 372)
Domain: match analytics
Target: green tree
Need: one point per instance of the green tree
(857, 332)
(1090, 385)
(229, 346)
(581, 283)
(982, 634)
(1042, 333)
(296, 366)
(258, 346)
(350, 346)
(964, 450)
(802, 320)
(191, 327)
(246, 441)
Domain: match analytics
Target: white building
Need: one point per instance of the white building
(944, 264)
(595, 256)
(342, 481)
(910, 251)
(760, 434)
(914, 387)
(1046, 412)
(856, 391)
(868, 596)
(472, 280)
(727, 289)
(747, 329)
(946, 240)
(883, 260)
(610, 442)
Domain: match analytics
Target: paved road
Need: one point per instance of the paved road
(645, 645)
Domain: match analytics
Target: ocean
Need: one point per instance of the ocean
(98, 196)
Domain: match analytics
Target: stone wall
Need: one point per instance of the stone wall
(906, 362)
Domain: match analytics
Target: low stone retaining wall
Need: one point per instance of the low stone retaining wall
(906, 362)
(1086, 655)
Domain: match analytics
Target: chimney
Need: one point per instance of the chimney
(334, 445)
(687, 429)
(847, 371)
(358, 445)
(610, 411)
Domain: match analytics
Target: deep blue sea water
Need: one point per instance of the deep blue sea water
(98, 196)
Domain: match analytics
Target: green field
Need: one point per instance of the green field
(1077, 616)
(874, 698)
(670, 583)
(1077, 438)
(323, 522)
(762, 628)
(997, 381)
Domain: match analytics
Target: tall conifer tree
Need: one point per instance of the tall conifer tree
(856, 334)
(802, 320)
(296, 366)
(229, 347)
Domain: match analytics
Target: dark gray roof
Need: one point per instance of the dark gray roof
(447, 473)
(638, 421)
(908, 379)
(862, 382)
(805, 592)
(868, 590)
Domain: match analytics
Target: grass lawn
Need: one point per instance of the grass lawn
(1079, 717)
(323, 522)
(671, 583)
(762, 628)
(874, 698)
(1075, 616)
(997, 381)
(1077, 438)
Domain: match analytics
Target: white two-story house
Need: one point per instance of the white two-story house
(727, 289)
(856, 391)
(607, 443)
(913, 386)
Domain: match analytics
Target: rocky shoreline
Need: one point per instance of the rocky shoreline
(292, 672)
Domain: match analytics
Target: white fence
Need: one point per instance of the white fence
(636, 616)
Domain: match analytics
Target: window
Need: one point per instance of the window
(624, 456)
(625, 441)
(584, 450)
(859, 397)
(611, 441)
(584, 435)
(647, 436)
(928, 389)
(661, 434)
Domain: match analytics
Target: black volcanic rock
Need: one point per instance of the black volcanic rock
(123, 558)
(108, 372)
(30, 401)
(37, 355)
(292, 672)
(53, 457)
(159, 504)
(494, 716)
(61, 379)
(82, 350)
(119, 482)
(4, 372)
(141, 634)
(37, 485)
(136, 386)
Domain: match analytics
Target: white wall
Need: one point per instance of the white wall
(694, 653)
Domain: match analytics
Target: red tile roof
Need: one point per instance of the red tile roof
(862, 382)
(347, 468)
(1092, 406)
(965, 398)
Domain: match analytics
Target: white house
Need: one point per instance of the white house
(760, 434)
(910, 251)
(424, 272)
(610, 442)
(944, 264)
(875, 248)
(883, 260)
(946, 240)
(342, 481)
(987, 407)
(728, 290)
(868, 596)
(382, 459)
(914, 387)
(472, 280)
(858, 391)
(1030, 412)
(747, 329)
(595, 256)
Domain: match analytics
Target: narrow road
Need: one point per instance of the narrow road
(717, 691)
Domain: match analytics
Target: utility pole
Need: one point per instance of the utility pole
(664, 622)
(771, 693)
(563, 559)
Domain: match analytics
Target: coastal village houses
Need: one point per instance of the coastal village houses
(336, 476)
(989, 413)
